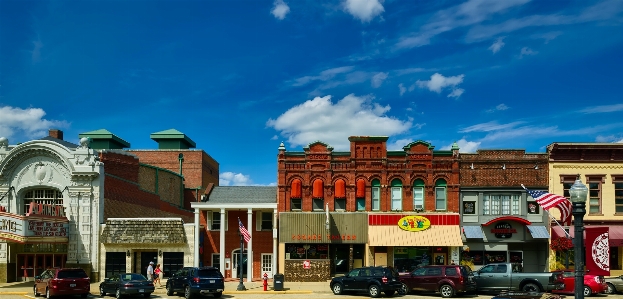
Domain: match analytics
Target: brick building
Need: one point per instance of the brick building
(500, 221)
(341, 210)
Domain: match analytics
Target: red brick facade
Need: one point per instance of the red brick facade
(369, 159)
(504, 168)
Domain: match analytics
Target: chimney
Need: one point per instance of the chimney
(58, 134)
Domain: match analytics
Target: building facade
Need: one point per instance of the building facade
(600, 166)
(363, 194)
(500, 221)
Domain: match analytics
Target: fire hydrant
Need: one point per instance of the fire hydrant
(265, 278)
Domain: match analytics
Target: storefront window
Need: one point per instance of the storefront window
(307, 251)
(406, 259)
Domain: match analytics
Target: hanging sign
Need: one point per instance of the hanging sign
(414, 223)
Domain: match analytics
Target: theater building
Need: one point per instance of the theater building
(500, 222)
(341, 210)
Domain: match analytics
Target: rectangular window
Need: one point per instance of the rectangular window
(532, 207)
(267, 221)
(594, 183)
(501, 204)
(440, 198)
(506, 204)
(216, 260)
(396, 198)
(361, 204)
(216, 221)
(495, 205)
(115, 263)
(515, 199)
(469, 207)
(618, 195)
(418, 198)
(318, 204)
(295, 204)
(486, 205)
(340, 203)
(376, 198)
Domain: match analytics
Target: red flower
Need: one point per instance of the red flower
(561, 244)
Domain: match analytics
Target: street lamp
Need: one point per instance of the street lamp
(578, 193)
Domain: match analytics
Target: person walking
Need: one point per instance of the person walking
(150, 271)
(158, 274)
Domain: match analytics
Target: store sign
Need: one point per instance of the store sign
(318, 237)
(414, 223)
(503, 230)
(21, 229)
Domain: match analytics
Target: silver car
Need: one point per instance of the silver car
(615, 284)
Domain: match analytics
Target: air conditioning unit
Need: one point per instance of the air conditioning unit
(418, 207)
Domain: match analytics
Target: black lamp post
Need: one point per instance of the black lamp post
(240, 285)
(578, 193)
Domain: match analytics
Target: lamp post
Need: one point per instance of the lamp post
(578, 193)
(240, 268)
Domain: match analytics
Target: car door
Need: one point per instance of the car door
(349, 279)
(430, 279)
(417, 279)
(361, 281)
(484, 277)
(39, 283)
(112, 284)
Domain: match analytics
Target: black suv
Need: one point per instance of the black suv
(196, 281)
(373, 280)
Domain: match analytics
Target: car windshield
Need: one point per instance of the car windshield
(132, 276)
(208, 273)
(72, 274)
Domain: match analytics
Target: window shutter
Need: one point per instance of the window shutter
(258, 220)
(361, 188)
(209, 219)
(226, 220)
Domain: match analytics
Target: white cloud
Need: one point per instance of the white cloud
(234, 179)
(603, 109)
(28, 122)
(548, 36)
(323, 76)
(377, 80)
(490, 126)
(525, 51)
(464, 146)
(438, 82)
(364, 10)
(280, 9)
(402, 89)
(497, 45)
(334, 123)
(500, 107)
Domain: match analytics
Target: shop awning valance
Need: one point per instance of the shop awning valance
(538, 231)
(144, 231)
(473, 232)
(439, 235)
(615, 233)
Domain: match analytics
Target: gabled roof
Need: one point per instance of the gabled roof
(243, 194)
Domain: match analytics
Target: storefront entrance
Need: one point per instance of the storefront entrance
(33, 264)
(236, 265)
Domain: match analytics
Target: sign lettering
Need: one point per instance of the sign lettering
(414, 223)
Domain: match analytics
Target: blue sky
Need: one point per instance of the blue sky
(238, 77)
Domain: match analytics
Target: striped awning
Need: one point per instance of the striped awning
(438, 235)
(473, 232)
(538, 231)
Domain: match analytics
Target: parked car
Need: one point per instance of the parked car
(372, 280)
(62, 282)
(196, 281)
(510, 277)
(448, 280)
(615, 284)
(126, 284)
(593, 284)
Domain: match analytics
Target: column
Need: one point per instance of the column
(250, 246)
(274, 259)
(196, 245)
(221, 248)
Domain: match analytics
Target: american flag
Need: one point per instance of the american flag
(244, 231)
(547, 201)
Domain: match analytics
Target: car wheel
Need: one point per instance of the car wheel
(217, 295)
(102, 293)
(374, 291)
(337, 289)
(187, 294)
(118, 294)
(587, 291)
(169, 290)
(530, 287)
(446, 291)
(389, 293)
(404, 289)
(34, 291)
(611, 289)
(47, 294)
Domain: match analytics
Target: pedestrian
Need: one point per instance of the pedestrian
(158, 274)
(150, 271)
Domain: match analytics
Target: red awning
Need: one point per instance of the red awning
(508, 218)
(615, 233)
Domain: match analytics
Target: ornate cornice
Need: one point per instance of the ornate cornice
(612, 166)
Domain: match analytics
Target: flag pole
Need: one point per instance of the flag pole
(240, 268)
(563, 229)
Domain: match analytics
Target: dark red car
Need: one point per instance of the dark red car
(62, 282)
(593, 284)
(448, 280)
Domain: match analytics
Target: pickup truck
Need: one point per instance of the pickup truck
(508, 277)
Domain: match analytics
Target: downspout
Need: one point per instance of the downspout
(180, 157)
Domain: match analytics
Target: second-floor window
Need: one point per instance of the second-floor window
(501, 204)
(214, 220)
(618, 193)
(594, 194)
(396, 195)
(376, 195)
(318, 204)
(265, 221)
(441, 200)
(295, 204)
(418, 195)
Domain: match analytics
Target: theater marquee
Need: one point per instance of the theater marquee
(37, 226)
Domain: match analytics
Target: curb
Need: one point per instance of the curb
(14, 293)
(268, 292)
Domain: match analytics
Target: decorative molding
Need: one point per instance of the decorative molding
(612, 166)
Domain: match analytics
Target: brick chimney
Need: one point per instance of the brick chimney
(58, 134)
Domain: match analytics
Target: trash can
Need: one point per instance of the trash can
(278, 282)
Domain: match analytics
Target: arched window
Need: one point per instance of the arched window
(418, 194)
(396, 195)
(295, 189)
(317, 191)
(441, 200)
(340, 189)
(360, 195)
(376, 195)
(48, 197)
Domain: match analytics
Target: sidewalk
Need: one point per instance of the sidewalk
(254, 287)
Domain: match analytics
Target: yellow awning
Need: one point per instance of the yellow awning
(439, 235)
